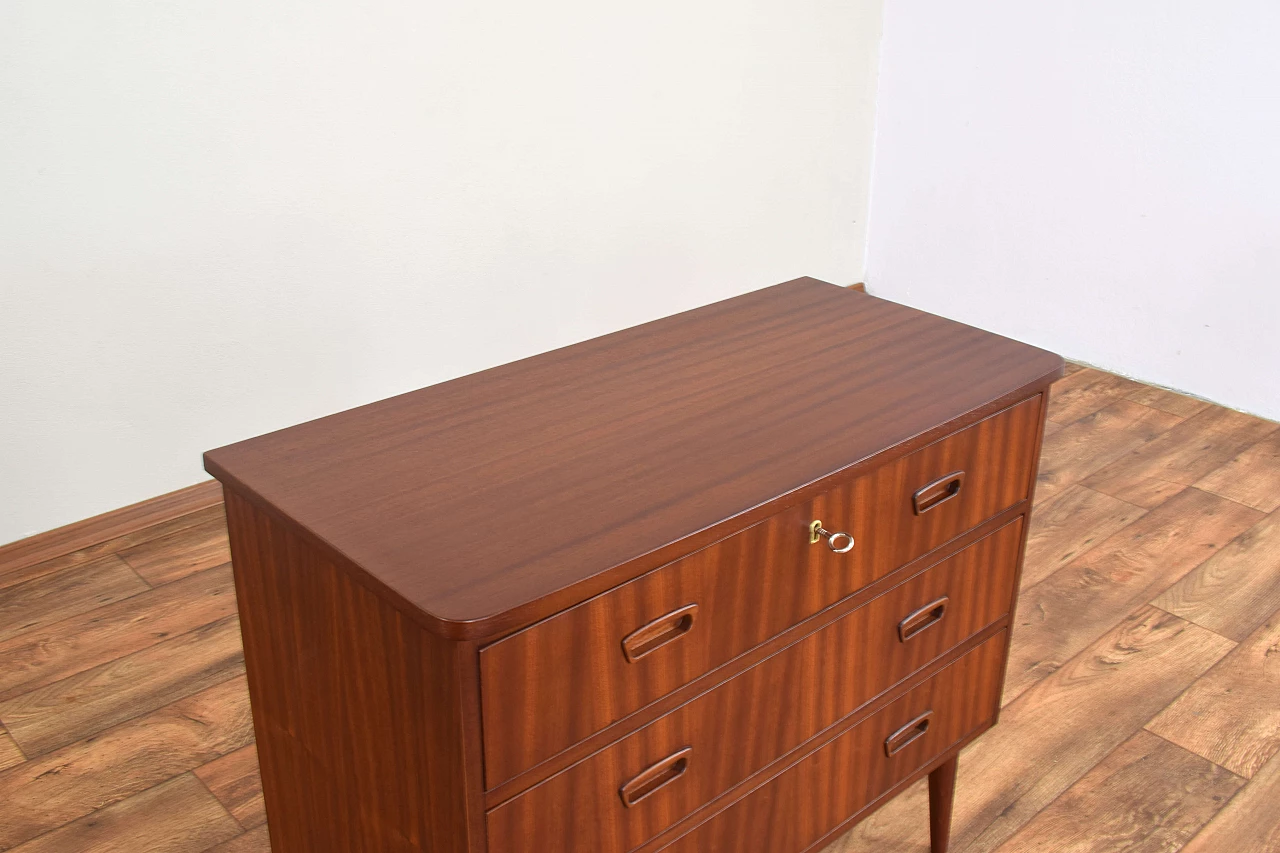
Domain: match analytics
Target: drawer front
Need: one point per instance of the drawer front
(703, 748)
(559, 681)
(799, 807)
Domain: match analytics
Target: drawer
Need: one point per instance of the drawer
(813, 797)
(559, 681)
(700, 750)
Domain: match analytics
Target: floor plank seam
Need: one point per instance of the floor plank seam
(216, 798)
(1228, 801)
(169, 639)
(201, 504)
(1145, 728)
(1076, 520)
(97, 734)
(54, 569)
(150, 585)
(1136, 608)
(35, 673)
(1155, 606)
(1230, 500)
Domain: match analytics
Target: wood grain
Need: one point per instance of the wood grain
(1231, 716)
(611, 457)
(32, 605)
(107, 767)
(1235, 590)
(253, 841)
(1252, 477)
(683, 695)
(23, 572)
(182, 553)
(1074, 452)
(110, 525)
(61, 649)
(177, 816)
(63, 712)
(234, 779)
(1168, 401)
(1054, 733)
(1250, 823)
(51, 790)
(747, 588)
(1084, 392)
(1068, 525)
(1152, 473)
(942, 793)
(816, 795)
(1074, 606)
(99, 769)
(346, 693)
(728, 744)
(1148, 796)
(1097, 701)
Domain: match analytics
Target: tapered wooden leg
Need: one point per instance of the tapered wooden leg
(942, 789)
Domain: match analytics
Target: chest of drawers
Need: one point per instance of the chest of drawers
(726, 581)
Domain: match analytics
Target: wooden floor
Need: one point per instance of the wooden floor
(1142, 711)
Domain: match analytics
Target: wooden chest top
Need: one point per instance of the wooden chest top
(496, 499)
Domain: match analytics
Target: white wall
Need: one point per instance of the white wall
(1098, 178)
(221, 218)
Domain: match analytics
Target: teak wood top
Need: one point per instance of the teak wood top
(495, 499)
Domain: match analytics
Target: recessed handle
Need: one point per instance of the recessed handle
(907, 735)
(927, 616)
(656, 634)
(655, 777)
(841, 543)
(938, 492)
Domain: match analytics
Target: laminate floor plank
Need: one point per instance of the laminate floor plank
(1250, 823)
(1231, 716)
(1235, 590)
(1079, 449)
(1252, 477)
(1148, 796)
(30, 606)
(21, 573)
(108, 525)
(63, 712)
(253, 841)
(1145, 495)
(1075, 605)
(1168, 401)
(1069, 524)
(46, 792)
(170, 558)
(1053, 735)
(1084, 392)
(53, 652)
(177, 816)
(234, 779)
(1157, 470)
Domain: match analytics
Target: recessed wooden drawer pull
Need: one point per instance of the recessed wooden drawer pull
(917, 620)
(841, 543)
(938, 492)
(659, 632)
(907, 735)
(655, 777)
